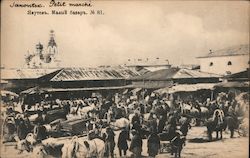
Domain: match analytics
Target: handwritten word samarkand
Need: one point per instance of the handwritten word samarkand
(31, 5)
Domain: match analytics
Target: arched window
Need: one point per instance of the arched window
(229, 63)
(211, 64)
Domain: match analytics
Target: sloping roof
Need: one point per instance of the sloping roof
(33, 90)
(186, 73)
(186, 88)
(233, 85)
(190, 66)
(242, 74)
(106, 73)
(158, 75)
(24, 73)
(140, 70)
(174, 73)
(152, 69)
(231, 51)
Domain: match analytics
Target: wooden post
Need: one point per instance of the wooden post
(212, 95)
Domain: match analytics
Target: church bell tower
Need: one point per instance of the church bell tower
(52, 46)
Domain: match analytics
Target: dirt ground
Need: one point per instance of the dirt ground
(226, 148)
(195, 147)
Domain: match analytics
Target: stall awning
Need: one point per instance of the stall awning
(81, 89)
(33, 90)
(5, 93)
(36, 90)
(233, 85)
(186, 88)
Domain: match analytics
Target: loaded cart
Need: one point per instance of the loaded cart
(75, 127)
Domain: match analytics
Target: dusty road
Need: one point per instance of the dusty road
(227, 148)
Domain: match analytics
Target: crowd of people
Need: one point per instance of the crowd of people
(156, 117)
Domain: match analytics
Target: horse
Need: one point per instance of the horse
(79, 148)
(194, 112)
(25, 144)
(204, 112)
(190, 110)
(216, 123)
(86, 109)
(121, 123)
(39, 152)
(48, 148)
(185, 108)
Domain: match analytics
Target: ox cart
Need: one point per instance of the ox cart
(49, 115)
(75, 127)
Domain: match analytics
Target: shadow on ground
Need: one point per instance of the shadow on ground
(202, 140)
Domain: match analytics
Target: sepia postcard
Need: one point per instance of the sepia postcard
(132, 78)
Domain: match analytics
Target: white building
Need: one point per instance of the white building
(148, 64)
(226, 61)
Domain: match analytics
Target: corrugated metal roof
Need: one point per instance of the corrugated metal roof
(186, 88)
(174, 73)
(231, 51)
(103, 73)
(186, 73)
(24, 73)
(152, 69)
(157, 75)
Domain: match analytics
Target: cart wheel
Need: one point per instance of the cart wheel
(193, 122)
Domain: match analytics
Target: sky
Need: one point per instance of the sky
(178, 31)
